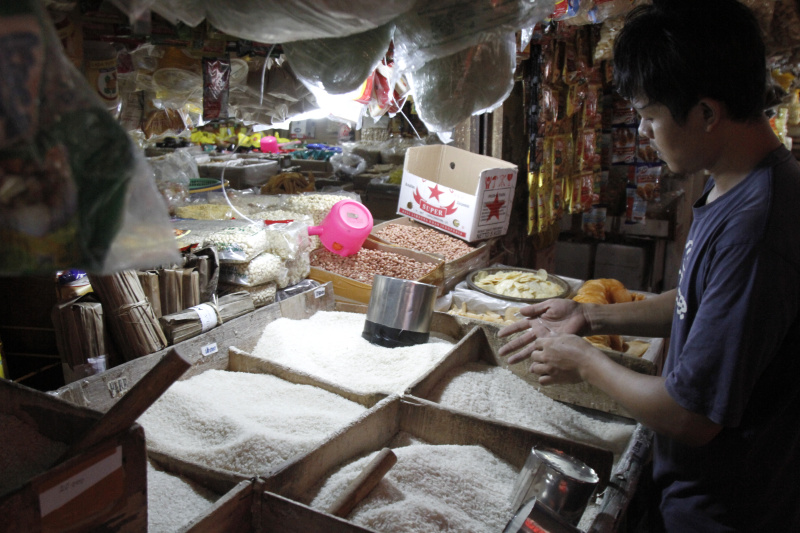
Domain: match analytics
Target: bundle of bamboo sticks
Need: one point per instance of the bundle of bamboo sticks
(133, 324)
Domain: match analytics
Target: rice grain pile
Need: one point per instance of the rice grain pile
(431, 488)
(328, 345)
(499, 394)
(24, 452)
(245, 423)
(172, 502)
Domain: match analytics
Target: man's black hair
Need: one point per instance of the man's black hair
(675, 52)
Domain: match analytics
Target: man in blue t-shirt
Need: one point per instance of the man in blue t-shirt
(726, 409)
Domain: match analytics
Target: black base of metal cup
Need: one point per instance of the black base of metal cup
(389, 337)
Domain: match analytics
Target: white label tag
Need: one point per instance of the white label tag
(73, 487)
(208, 349)
(208, 316)
(319, 292)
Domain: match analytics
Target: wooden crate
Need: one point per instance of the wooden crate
(348, 289)
(454, 271)
(430, 423)
(206, 351)
(101, 488)
(249, 509)
(581, 394)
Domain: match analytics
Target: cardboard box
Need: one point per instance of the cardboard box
(357, 291)
(459, 192)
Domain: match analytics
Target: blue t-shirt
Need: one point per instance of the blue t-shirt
(734, 357)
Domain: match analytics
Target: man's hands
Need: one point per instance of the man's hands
(559, 359)
(551, 317)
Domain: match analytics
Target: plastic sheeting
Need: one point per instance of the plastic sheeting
(339, 65)
(272, 21)
(453, 88)
(436, 29)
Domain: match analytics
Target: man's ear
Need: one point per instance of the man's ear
(712, 112)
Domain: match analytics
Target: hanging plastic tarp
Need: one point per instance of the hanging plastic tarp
(272, 21)
(450, 89)
(339, 65)
(437, 29)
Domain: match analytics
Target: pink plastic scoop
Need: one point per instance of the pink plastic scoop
(345, 228)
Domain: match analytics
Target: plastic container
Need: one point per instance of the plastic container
(345, 228)
(100, 68)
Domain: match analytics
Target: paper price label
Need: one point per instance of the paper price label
(208, 316)
(82, 491)
(209, 349)
(319, 292)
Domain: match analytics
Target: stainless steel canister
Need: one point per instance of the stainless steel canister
(559, 481)
(399, 312)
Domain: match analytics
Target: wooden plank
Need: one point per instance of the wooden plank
(241, 361)
(237, 510)
(125, 412)
(281, 515)
(215, 479)
(624, 482)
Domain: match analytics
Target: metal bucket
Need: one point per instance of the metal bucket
(399, 312)
(559, 481)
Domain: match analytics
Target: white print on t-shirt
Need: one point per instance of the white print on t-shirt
(680, 301)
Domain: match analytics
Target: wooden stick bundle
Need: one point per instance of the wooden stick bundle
(134, 327)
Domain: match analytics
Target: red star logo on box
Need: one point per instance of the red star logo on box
(494, 207)
(435, 192)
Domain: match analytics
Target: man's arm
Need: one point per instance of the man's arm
(651, 317)
(569, 359)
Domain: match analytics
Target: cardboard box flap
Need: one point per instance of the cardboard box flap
(451, 167)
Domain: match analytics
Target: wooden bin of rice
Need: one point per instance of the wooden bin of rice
(580, 394)
(101, 488)
(470, 380)
(460, 257)
(285, 399)
(453, 471)
(352, 276)
(338, 359)
(208, 354)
